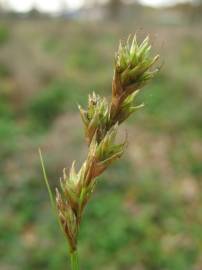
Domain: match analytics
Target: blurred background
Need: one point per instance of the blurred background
(146, 213)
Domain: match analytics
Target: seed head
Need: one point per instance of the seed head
(133, 69)
(95, 117)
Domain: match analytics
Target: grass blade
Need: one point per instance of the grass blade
(53, 205)
(46, 181)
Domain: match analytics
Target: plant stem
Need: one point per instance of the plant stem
(49, 191)
(74, 260)
(46, 181)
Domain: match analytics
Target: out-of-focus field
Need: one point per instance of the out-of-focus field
(146, 213)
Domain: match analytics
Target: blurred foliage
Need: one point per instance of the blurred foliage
(46, 106)
(4, 34)
(146, 213)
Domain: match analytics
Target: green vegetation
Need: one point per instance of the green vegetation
(48, 105)
(148, 216)
(4, 34)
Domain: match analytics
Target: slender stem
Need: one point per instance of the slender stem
(50, 193)
(46, 181)
(74, 260)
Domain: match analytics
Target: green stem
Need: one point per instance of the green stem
(74, 260)
(49, 190)
(46, 181)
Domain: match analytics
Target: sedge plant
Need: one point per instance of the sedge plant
(133, 69)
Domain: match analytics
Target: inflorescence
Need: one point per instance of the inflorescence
(133, 69)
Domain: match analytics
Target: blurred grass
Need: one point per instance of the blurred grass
(4, 34)
(146, 213)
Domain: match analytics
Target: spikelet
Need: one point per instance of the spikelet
(133, 69)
